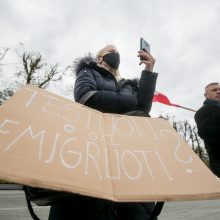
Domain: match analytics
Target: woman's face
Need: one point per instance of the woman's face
(108, 57)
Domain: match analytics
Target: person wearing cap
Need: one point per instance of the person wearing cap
(207, 119)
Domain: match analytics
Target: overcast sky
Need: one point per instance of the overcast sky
(183, 34)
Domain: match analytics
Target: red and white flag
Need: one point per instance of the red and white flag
(159, 97)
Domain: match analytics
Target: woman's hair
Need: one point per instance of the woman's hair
(102, 51)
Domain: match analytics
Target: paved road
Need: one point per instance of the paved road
(13, 207)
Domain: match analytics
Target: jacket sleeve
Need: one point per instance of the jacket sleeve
(146, 89)
(86, 92)
(208, 124)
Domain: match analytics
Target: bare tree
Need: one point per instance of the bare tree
(36, 72)
(5, 94)
(3, 52)
(32, 70)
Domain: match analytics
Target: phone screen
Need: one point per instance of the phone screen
(144, 45)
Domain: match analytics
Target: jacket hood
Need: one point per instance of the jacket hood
(82, 63)
(89, 61)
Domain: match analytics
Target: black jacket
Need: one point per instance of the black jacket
(99, 89)
(208, 123)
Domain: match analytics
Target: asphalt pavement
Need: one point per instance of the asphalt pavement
(13, 207)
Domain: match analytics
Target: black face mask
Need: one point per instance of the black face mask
(112, 59)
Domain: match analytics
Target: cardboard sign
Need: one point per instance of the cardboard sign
(52, 142)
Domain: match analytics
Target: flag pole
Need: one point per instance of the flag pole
(159, 97)
(186, 108)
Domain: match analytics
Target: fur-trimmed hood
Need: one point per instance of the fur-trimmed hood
(82, 63)
(89, 61)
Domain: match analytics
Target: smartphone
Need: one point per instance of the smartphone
(144, 45)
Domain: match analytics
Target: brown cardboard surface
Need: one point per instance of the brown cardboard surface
(52, 142)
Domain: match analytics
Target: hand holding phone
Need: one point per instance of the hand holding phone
(145, 56)
(144, 46)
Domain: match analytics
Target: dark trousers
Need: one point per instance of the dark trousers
(134, 210)
(215, 167)
(81, 207)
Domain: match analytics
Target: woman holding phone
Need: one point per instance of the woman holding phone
(98, 85)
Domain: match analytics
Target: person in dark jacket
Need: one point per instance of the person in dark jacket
(208, 123)
(98, 86)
